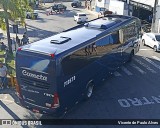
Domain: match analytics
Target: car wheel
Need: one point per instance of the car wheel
(35, 17)
(27, 16)
(89, 90)
(155, 48)
(143, 42)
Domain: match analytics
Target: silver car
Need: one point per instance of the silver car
(152, 40)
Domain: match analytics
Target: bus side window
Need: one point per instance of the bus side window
(74, 62)
(129, 32)
(108, 43)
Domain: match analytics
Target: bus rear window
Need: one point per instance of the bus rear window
(34, 63)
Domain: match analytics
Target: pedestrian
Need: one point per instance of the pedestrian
(26, 36)
(94, 47)
(3, 47)
(18, 41)
(37, 3)
(24, 40)
(3, 76)
(13, 44)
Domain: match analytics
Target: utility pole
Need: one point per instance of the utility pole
(154, 16)
(128, 2)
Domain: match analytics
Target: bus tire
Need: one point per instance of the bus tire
(89, 90)
(155, 48)
(143, 42)
(131, 56)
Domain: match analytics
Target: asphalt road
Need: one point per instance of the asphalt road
(48, 25)
(132, 92)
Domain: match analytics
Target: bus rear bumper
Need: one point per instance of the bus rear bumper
(39, 109)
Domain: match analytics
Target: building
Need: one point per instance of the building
(118, 7)
(139, 8)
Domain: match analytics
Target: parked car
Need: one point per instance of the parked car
(58, 7)
(152, 40)
(30, 15)
(76, 3)
(80, 17)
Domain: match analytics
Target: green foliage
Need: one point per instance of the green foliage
(11, 64)
(12, 10)
(2, 60)
(2, 52)
(2, 23)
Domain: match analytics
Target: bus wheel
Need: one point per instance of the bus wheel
(155, 48)
(89, 90)
(131, 56)
(143, 42)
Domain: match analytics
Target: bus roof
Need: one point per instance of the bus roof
(73, 37)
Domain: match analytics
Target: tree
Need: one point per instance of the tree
(11, 10)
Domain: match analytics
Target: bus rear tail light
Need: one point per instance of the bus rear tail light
(19, 49)
(52, 55)
(35, 110)
(55, 101)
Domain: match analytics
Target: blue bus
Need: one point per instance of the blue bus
(55, 73)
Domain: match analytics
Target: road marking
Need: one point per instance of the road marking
(5, 96)
(145, 49)
(11, 101)
(126, 71)
(136, 67)
(151, 62)
(145, 65)
(156, 58)
(134, 102)
(117, 73)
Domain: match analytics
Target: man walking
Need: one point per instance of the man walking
(3, 75)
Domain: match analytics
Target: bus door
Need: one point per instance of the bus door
(36, 78)
(117, 48)
(129, 36)
(127, 49)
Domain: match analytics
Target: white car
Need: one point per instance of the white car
(80, 17)
(152, 40)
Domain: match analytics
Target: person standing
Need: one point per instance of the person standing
(3, 75)
(37, 3)
(24, 40)
(3, 47)
(18, 41)
(13, 44)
